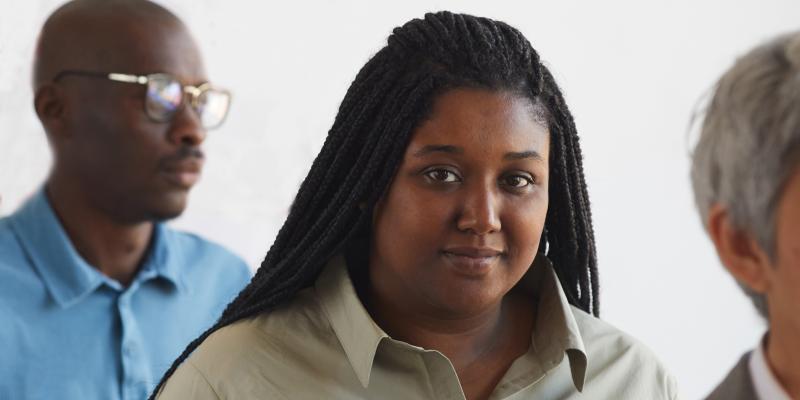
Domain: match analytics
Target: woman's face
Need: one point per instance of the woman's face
(461, 222)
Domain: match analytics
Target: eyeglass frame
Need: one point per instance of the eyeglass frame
(194, 92)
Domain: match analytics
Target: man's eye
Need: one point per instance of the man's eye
(441, 175)
(517, 181)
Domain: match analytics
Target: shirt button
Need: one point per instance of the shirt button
(130, 348)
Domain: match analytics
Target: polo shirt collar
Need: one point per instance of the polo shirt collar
(555, 336)
(66, 275)
(163, 262)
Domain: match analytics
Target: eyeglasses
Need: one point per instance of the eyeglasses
(166, 95)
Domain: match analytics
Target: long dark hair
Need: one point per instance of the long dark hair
(388, 99)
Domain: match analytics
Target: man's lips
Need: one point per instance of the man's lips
(184, 173)
(183, 168)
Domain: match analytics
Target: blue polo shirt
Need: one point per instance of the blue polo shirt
(69, 332)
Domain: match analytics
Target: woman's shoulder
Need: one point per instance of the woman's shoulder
(299, 319)
(616, 358)
(595, 330)
(253, 351)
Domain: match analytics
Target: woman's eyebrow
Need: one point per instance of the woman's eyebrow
(523, 155)
(450, 149)
(438, 148)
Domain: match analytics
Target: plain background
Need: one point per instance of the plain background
(632, 71)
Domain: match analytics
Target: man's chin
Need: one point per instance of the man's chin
(165, 215)
(168, 208)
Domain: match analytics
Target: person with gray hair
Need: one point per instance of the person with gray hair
(746, 179)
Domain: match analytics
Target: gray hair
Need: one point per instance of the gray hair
(750, 141)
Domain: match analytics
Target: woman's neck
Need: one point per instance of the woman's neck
(481, 347)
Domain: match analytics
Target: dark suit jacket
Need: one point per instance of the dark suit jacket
(737, 385)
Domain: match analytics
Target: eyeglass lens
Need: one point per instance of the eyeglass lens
(165, 95)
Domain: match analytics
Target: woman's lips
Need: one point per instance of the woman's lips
(473, 262)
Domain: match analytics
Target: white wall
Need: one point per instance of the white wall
(632, 72)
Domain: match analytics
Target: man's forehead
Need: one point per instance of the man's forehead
(121, 39)
(143, 46)
(147, 47)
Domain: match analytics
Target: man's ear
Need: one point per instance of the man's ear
(51, 106)
(739, 252)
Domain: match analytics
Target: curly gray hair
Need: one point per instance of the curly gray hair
(750, 141)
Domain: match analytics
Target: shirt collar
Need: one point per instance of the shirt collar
(65, 274)
(359, 335)
(165, 263)
(357, 332)
(765, 383)
(556, 332)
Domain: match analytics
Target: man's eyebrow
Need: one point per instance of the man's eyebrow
(523, 155)
(438, 148)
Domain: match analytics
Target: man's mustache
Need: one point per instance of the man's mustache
(184, 153)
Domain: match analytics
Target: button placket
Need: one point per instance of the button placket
(135, 374)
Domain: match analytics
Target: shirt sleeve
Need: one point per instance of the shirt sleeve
(187, 383)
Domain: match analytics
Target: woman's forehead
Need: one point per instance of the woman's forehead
(481, 119)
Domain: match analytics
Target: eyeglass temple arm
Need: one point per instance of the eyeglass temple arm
(140, 79)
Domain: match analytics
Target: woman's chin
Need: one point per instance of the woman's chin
(463, 304)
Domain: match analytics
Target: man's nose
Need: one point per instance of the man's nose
(186, 127)
(480, 211)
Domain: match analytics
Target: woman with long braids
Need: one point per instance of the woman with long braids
(441, 246)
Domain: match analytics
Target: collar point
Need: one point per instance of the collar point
(364, 379)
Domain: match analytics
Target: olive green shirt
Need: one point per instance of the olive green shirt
(324, 345)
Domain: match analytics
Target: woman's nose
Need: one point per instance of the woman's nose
(480, 214)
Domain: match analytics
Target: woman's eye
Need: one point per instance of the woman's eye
(518, 181)
(442, 175)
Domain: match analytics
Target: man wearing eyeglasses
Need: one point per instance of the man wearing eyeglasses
(97, 295)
